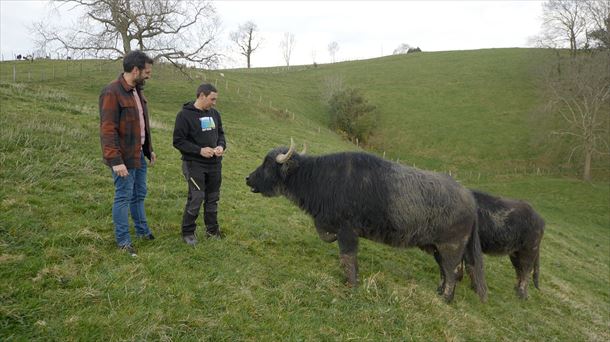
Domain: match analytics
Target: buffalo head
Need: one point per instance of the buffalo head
(268, 179)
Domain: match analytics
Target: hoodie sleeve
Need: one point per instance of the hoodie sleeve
(181, 142)
(221, 134)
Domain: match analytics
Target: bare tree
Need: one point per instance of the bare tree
(580, 96)
(175, 30)
(401, 49)
(287, 45)
(598, 18)
(564, 21)
(333, 47)
(247, 40)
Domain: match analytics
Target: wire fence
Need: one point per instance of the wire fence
(40, 71)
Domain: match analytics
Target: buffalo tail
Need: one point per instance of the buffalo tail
(474, 259)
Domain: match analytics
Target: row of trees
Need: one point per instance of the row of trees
(178, 31)
(576, 24)
(577, 86)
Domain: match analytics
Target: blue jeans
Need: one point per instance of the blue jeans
(129, 194)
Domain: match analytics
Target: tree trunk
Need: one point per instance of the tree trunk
(586, 176)
(126, 43)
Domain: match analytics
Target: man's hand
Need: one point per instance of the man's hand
(206, 152)
(153, 158)
(120, 170)
(219, 151)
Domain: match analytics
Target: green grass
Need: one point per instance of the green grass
(272, 278)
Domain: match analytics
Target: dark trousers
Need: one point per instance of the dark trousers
(203, 187)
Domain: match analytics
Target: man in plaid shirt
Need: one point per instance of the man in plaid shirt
(125, 138)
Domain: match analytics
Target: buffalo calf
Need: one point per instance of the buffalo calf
(511, 227)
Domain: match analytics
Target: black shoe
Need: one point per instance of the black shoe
(129, 249)
(190, 240)
(147, 237)
(217, 235)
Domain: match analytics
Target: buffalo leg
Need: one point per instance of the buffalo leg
(439, 261)
(523, 263)
(431, 249)
(348, 250)
(451, 255)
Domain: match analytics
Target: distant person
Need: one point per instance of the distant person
(200, 138)
(125, 138)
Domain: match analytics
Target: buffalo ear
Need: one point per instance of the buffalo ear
(289, 167)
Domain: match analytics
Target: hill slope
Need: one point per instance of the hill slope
(271, 278)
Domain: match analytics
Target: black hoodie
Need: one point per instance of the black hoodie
(195, 129)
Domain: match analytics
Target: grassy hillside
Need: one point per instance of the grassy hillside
(272, 278)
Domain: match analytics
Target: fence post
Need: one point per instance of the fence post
(14, 73)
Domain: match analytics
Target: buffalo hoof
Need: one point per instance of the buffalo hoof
(521, 293)
(350, 267)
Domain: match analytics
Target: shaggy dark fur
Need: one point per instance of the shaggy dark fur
(511, 227)
(352, 195)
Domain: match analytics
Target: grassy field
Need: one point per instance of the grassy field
(272, 278)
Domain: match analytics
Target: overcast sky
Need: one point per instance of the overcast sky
(363, 29)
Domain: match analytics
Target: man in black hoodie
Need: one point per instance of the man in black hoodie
(200, 138)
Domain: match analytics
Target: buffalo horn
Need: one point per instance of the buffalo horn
(282, 158)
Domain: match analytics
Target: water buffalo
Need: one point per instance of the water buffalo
(511, 227)
(352, 195)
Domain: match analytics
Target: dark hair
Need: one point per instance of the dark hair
(206, 89)
(135, 58)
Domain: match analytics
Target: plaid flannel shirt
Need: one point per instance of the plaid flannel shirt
(120, 125)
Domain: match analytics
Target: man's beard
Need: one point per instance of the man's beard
(140, 82)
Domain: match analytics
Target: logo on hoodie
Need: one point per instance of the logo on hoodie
(207, 123)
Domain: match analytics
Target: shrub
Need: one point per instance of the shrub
(351, 114)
